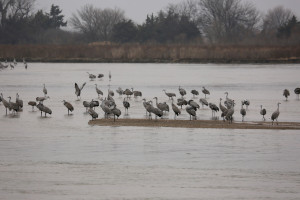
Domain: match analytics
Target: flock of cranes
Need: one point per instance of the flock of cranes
(12, 64)
(152, 107)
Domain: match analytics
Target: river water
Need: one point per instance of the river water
(62, 157)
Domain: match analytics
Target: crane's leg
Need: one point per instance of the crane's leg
(6, 110)
(114, 118)
(277, 121)
(68, 111)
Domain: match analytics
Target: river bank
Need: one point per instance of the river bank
(142, 53)
(195, 124)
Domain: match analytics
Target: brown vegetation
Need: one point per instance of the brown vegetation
(195, 124)
(152, 53)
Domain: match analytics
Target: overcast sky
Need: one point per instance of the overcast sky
(137, 10)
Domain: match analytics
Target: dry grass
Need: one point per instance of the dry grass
(152, 53)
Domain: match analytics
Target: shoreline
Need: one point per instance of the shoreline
(195, 124)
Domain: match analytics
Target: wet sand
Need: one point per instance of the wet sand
(195, 124)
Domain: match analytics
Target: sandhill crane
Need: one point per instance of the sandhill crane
(169, 94)
(15, 62)
(45, 90)
(205, 92)
(5, 103)
(194, 104)
(195, 92)
(44, 109)
(91, 76)
(191, 111)
(162, 106)
(128, 93)
(275, 114)
(145, 104)
(93, 114)
(119, 91)
(243, 111)
(136, 93)
(229, 115)
(19, 101)
(94, 104)
(126, 105)
(181, 91)
(68, 106)
(100, 75)
(297, 92)
(116, 112)
(214, 108)
(13, 106)
(175, 109)
(286, 93)
(105, 109)
(111, 93)
(246, 102)
(263, 112)
(86, 104)
(99, 92)
(223, 109)
(42, 99)
(229, 103)
(203, 102)
(181, 102)
(78, 90)
(32, 103)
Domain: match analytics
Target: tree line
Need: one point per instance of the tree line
(188, 22)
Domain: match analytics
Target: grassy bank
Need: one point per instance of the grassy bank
(152, 53)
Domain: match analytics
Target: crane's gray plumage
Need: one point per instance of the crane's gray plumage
(194, 104)
(105, 108)
(275, 114)
(116, 112)
(191, 111)
(32, 103)
(91, 76)
(145, 104)
(203, 102)
(86, 104)
(68, 106)
(120, 91)
(243, 111)
(181, 91)
(246, 102)
(214, 108)
(19, 101)
(223, 109)
(181, 102)
(45, 90)
(78, 90)
(205, 91)
(100, 75)
(229, 103)
(169, 94)
(128, 93)
(286, 94)
(136, 93)
(42, 99)
(93, 114)
(126, 105)
(195, 92)
(162, 106)
(175, 109)
(44, 109)
(263, 112)
(297, 91)
(99, 92)
(13, 106)
(5, 103)
(229, 115)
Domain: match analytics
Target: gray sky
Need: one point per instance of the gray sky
(137, 10)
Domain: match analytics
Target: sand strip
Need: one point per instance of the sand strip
(195, 124)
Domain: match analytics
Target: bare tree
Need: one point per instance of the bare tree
(96, 23)
(188, 8)
(15, 9)
(227, 20)
(276, 18)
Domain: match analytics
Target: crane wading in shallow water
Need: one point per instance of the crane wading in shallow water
(275, 114)
(78, 90)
